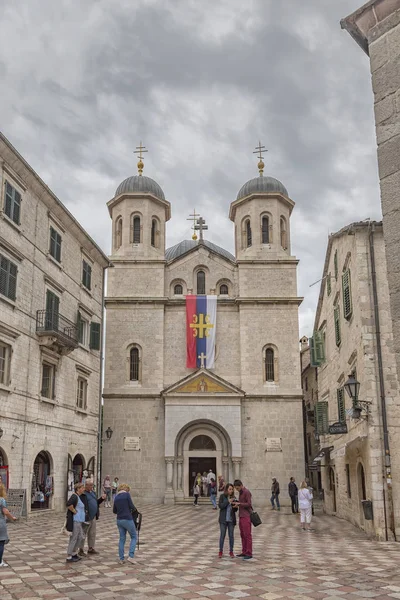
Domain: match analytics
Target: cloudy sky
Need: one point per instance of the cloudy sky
(200, 83)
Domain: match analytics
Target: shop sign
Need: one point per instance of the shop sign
(337, 428)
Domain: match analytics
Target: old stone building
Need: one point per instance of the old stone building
(353, 336)
(51, 287)
(242, 418)
(309, 384)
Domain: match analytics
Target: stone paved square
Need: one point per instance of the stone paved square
(178, 559)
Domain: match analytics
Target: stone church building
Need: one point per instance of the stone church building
(243, 418)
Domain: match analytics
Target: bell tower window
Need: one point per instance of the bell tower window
(136, 230)
(201, 282)
(265, 230)
(118, 233)
(153, 232)
(283, 232)
(248, 234)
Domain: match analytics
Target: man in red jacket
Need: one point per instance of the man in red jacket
(245, 508)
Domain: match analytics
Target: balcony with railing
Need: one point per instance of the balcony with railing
(56, 331)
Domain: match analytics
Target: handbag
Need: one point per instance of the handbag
(255, 518)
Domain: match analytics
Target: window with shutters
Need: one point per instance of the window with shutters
(283, 233)
(265, 230)
(134, 363)
(55, 244)
(48, 380)
(335, 265)
(341, 405)
(201, 282)
(321, 417)
(347, 301)
(8, 278)
(83, 330)
(328, 284)
(52, 311)
(5, 362)
(86, 275)
(118, 233)
(12, 206)
(317, 348)
(81, 393)
(336, 318)
(178, 289)
(95, 336)
(269, 362)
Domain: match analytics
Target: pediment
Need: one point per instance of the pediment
(203, 382)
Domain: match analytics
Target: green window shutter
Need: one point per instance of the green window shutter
(341, 405)
(328, 284)
(55, 244)
(86, 275)
(79, 327)
(336, 317)
(8, 278)
(319, 347)
(94, 336)
(321, 417)
(347, 303)
(335, 264)
(313, 361)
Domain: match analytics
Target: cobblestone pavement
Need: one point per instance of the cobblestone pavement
(178, 559)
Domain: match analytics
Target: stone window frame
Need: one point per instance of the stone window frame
(55, 243)
(228, 284)
(247, 235)
(155, 221)
(128, 364)
(176, 282)
(15, 191)
(118, 232)
(45, 363)
(135, 215)
(5, 358)
(274, 348)
(82, 385)
(268, 215)
(207, 275)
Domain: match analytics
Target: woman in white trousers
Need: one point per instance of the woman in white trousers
(305, 506)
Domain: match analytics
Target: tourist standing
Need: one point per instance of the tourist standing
(210, 476)
(204, 481)
(275, 491)
(305, 505)
(123, 507)
(245, 507)
(227, 518)
(114, 487)
(4, 512)
(293, 493)
(92, 504)
(107, 490)
(196, 493)
(213, 493)
(221, 484)
(77, 516)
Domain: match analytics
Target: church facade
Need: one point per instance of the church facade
(243, 417)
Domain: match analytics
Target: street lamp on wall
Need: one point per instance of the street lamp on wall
(352, 387)
(108, 433)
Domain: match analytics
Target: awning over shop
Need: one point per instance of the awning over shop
(321, 454)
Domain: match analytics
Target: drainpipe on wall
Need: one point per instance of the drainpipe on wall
(387, 474)
(100, 424)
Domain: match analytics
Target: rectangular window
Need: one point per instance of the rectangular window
(347, 303)
(81, 395)
(5, 359)
(55, 244)
(95, 331)
(348, 480)
(321, 417)
(336, 317)
(52, 310)
(8, 278)
(13, 204)
(83, 330)
(317, 348)
(48, 380)
(328, 284)
(341, 405)
(335, 264)
(86, 275)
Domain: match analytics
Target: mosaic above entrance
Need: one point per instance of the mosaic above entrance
(202, 384)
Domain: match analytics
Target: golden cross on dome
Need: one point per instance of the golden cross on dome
(140, 150)
(260, 150)
(193, 218)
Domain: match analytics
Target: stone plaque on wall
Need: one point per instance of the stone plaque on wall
(131, 443)
(274, 444)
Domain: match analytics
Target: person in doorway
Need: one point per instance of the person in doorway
(245, 507)
(305, 505)
(123, 507)
(196, 493)
(114, 487)
(221, 483)
(77, 516)
(204, 482)
(275, 491)
(210, 476)
(227, 518)
(92, 504)
(293, 493)
(107, 490)
(213, 493)
(4, 512)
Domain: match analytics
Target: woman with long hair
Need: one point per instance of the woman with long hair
(4, 512)
(305, 505)
(227, 518)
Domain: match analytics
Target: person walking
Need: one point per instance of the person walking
(227, 518)
(4, 513)
(92, 504)
(77, 516)
(123, 507)
(293, 493)
(107, 490)
(204, 482)
(213, 493)
(114, 487)
(305, 505)
(196, 493)
(275, 491)
(245, 507)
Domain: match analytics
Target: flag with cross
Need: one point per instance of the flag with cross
(201, 314)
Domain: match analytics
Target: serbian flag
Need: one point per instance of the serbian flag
(201, 317)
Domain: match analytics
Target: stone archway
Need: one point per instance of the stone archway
(78, 466)
(42, 487)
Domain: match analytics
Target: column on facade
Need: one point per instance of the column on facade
(236, 467)
(225, 468)
(170, 472)
(179, 463)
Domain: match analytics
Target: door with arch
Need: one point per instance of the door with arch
(78, 465)
(42, 482)
(202, 444)
(362, 490)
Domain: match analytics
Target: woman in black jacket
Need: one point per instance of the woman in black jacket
(227, 518)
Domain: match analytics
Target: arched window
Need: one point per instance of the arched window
(269, 365)
(136, 230)
(201, 282)
(283, 233)
(223, 290)
(265, 230)
(118, 233)
(178, 289)
(248, 234)
(202, 442)
(134, 364)
(153, 232)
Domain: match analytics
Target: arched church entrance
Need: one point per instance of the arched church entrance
(201, 446)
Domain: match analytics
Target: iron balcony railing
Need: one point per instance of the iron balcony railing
(49, 322)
